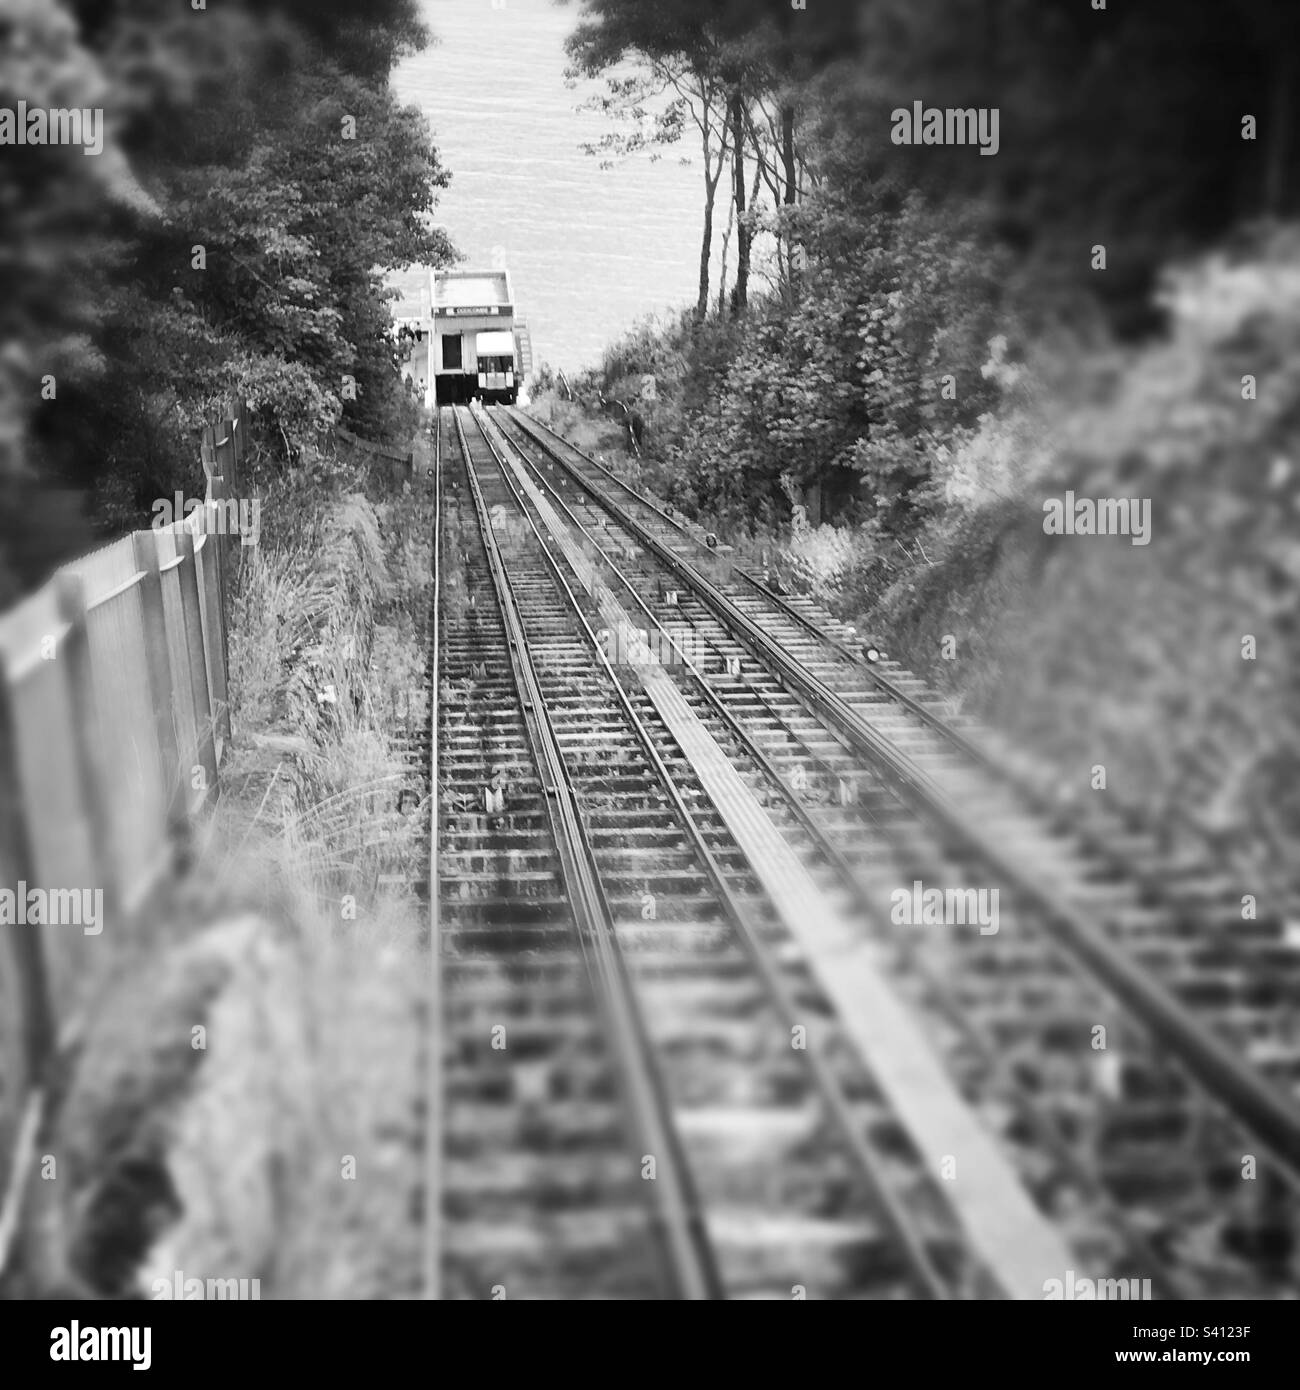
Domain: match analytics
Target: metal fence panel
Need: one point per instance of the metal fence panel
(124, 727)
(88, 767)
(54, 806)
(184, 713)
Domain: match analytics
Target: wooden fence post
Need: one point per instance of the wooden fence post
(217, 492)
(75, 658)
(26, 944)
(202, 651)
(216, 487)
(162, 686)
(216, 578)
(228, 471)
(216, 637)
(239, 434)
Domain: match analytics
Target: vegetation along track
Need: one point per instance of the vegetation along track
(676, 809)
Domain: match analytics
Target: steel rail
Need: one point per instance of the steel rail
(870, 1168)
(1241, 1090)
(434, 1097)
(849, 878)
(1111, 854)
(690, 1263)
(1035, 799)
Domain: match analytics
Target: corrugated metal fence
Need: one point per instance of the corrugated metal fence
(114, 719)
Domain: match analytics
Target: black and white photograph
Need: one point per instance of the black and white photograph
(649, 650)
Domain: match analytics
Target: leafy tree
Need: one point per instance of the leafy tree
(674, 85)
(1120, 127)
(233, 239)
(58, 211)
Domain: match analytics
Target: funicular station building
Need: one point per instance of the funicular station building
(466, 341)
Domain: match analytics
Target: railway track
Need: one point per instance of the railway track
(675, 812)
(535, 1197)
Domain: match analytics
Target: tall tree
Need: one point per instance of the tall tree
(1099, 112)
(675, 81)
(231, 238)
(744, 233)
(657, 107)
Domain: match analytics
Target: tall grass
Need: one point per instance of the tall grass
(282, 1146)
